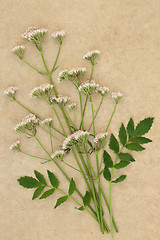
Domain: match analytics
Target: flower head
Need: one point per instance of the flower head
(103, 90)
(88, 87)
(27, 123)
(58, 35)
(18, 50)
(60, 99)
(58, 155)
(75, 72)
(42, 91)
(10, 92)
(100, 140)
(47, 122)
(92, 55)
(117, 96)
(63, 75)
(15, 146)
(72, 107)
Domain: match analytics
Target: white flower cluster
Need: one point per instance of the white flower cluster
(15, 146)
(10, 92)
(44, 89)
(34, 34)
(58, 155)
(117, 96)
(60, 99)
(27, 123)
(47, 122)
(103, 90)
(92, 55)
(63, 75)
(100, 137)
(72, 107)
(74, 72)
(88, 87)
(58, 35)
(75, 139)
(18, 50)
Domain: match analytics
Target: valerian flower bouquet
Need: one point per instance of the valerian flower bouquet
(86, 145)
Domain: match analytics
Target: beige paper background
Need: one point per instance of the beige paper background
(127, 34)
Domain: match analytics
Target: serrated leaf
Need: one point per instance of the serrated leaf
(107, 174)
(140, 140)
(53, 180)
(134, 146)
(72, 187)
(143, 126)
(120, 179)
(130, 128)
(121, 164)
(29, 182)
(87, 199)
(60, 201)
(80, 208)
(107, 160)
(114, 145)
(47, 193)
(126, 157)
(37, 192)
(40, 177)
(122, 134)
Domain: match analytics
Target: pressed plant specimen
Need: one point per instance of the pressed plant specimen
(84, 143)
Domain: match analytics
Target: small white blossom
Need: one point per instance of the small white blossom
(15, 146)
(100, 137)
(10, 92)
(27, 123)
(44, 89)
(60, 99)
(47, 121)
(58, 35)
(72, 107)
(117, 96)
(58, 155)
(63, 75)
(74, 72)
(88, 87)
(92, 55)
(103, 90)
(18, 50)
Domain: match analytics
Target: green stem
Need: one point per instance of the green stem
(51, 139)
(70, 119)
(60, 45)
(111, 117)
(92, 72)
(33, 67)
(84, 109)
(58, 119)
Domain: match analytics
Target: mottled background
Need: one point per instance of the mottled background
(127, 32)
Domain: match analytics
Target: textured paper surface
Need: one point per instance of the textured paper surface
(127, 34)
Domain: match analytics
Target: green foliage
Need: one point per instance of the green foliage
(72, 187)
(121, 164)
(80, 208)
(134, 146)
(60, 201)
(140, 140)
(29, 182)
(130, 128)
(120, 179)
(107, 174)
(47, 193)
(143, 126)
(38, 192)
(122, 135)
(114, 145)
(87, 199)
(126, 157)
(107, 160)
(53, 180)
(40, 177)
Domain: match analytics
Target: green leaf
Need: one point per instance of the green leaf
(80, 208)
(90, 144)
(107, 174)
(130, 128)
(28, 182)
(143, 127)
(140, 140)
(87, 199)
(114, 144)
(120, 179)
(121, 164)
(134, 146)
(53, 180)
(37, 192)
(47, 193)
(122, 135)
(60, 201)
(107, 160)
(126, 157)
(72, 187)
(40, 177)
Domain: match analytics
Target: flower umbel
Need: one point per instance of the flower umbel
(10, 92)
(42, 91)
(63, 75)
(75, 72)
(88, 87)
(15, 146)
(103, 90)
(92, 55)
(58, 155)
(19, 50)
(72, 107)
(117, 96)
(47, 122)
(60, 99)
(58, 35)
(100, 140)
(28, 123)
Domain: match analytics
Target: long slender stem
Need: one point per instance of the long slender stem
(60, 45)
(33, 67)
(111, 117)
(58, 119)
(70, 119)
(51, 139)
